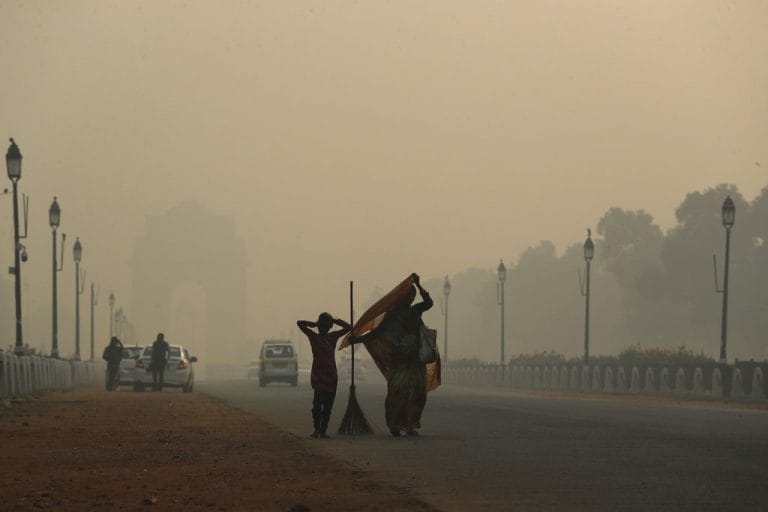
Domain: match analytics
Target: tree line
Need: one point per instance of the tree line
(650, 288)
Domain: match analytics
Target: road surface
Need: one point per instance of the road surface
(501, 450)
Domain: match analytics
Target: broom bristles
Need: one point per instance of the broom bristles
(354, 422)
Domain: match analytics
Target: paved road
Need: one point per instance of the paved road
(498, 450)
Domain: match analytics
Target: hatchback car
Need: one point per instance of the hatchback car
(179, 370)
(278, 363)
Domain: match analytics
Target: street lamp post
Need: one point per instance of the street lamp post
(119, 323)
(589, 252)
(446, 293)
(94, 301)
(13, 166)
(111, 313)
(729, 218)
(77, 256)
(54, 219)
(502, 270)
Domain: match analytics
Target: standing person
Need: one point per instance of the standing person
(400, 331)
(324, 377)
(113, 354)
(161, 351)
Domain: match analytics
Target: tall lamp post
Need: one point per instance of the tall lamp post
(111, 314)
(119, 323)
(13, 166)
(94, 301)
(446, 293)
(77, 256)
(502, 270)
(729, 218)
(54, 219)
(589, 253)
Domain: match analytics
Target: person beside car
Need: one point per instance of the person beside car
(161, 351)
(113, 354)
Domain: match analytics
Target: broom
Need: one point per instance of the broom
(354, 422)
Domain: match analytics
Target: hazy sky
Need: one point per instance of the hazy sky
(366, 140)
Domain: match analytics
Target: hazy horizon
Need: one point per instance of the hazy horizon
(354, 141)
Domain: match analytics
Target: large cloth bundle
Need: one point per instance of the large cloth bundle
(381, 350)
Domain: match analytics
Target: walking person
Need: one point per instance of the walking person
(161, 351)
(394, 345)
(113, 354)
(324, 377)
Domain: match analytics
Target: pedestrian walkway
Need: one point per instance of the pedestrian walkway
(88, 449)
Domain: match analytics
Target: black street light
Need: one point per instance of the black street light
(502, 270)
(729, 218)
(54, 219)
(94, 301)
(111, 314)
(446, 293)
(77, 256)
(13, 166)
(119, 323)
(589, 253)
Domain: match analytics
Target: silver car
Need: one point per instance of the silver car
(128, 364)
(179, 370)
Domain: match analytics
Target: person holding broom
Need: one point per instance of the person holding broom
(324, 378)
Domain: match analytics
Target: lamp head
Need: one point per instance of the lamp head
(446, 287)
(77, 251)
(502, 271)
(729, 213)
(54, 214)
(13, 161)
(589, 247)
(111, 299)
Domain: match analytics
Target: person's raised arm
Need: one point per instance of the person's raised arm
(304, 326)
(345, 327)
(426, 303)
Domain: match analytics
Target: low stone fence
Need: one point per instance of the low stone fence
(24, 375)
(739, 380)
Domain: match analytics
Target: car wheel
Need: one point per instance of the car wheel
(138, 387)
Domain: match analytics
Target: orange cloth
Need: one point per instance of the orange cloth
(381, 350)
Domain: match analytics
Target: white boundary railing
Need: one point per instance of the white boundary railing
(739, 380)
(24, 375)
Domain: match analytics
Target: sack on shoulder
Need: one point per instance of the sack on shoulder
(427, 345)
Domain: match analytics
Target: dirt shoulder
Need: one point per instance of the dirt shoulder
(90, 450)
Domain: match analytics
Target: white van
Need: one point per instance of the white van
(278, 363)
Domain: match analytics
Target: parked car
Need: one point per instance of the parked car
(128, 364)
(179, 370)
(278, 363)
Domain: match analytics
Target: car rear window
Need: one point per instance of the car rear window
(130, 353)
(279, 351)
(175, 352)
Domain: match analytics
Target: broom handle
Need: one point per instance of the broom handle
(352, 322)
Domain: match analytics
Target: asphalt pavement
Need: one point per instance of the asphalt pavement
(483, 448)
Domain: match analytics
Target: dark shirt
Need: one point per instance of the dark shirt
(324, 376)
(160, 351)
(113, 354)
